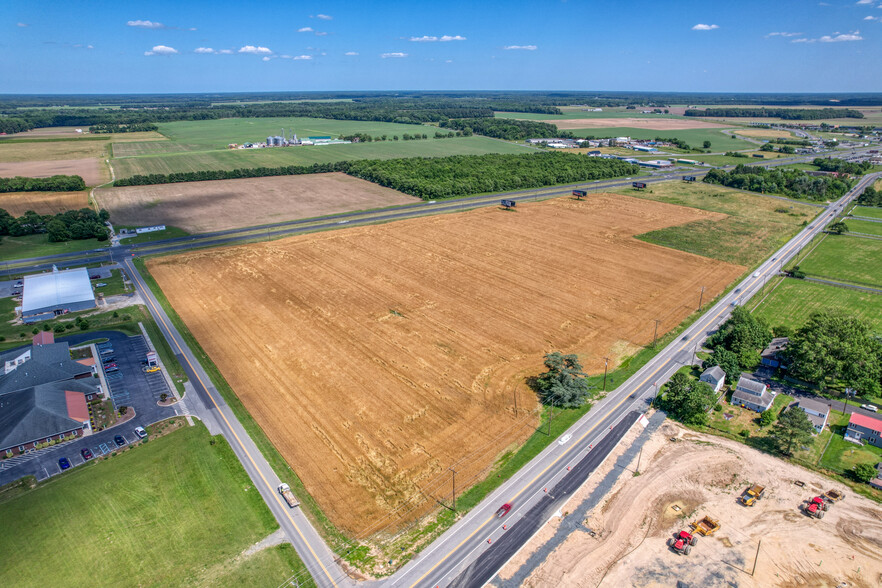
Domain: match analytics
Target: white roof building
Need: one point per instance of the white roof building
(57, 292)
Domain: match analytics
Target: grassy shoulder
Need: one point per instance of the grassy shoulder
(756, 225)
(869, 211)
(847, 259)
(12, 248)
(179, 510)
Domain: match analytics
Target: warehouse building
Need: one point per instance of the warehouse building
(45, 296)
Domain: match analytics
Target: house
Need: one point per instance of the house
(715, 376)
(772, 355)
(752, 394)
(863, 428)
(817, 412)
(877, 483)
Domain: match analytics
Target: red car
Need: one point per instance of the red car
(87, 453)
(503, 510)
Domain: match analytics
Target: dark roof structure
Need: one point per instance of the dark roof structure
(47, 363)
(40, 412)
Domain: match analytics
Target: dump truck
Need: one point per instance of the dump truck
(813, 509)
(752, 494)
(832, 496)
(285, 491)
(682, 543)
(705, 526)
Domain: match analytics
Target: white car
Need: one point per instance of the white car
(870, 407)
(756, 274)
(140, 432)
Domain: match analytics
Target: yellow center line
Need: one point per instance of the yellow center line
(241, 445)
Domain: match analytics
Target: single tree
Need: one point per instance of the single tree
(707, 144)
(687, 400)
(837, 228)
(564, 383)
(767, 418)
(864, 472)
(793, 430)
(727, 361)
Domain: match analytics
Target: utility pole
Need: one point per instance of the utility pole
(454, 487)
(700, 299)
(655, 333)
(605, 366)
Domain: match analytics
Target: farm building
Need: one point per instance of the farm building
(715, 376)
(863, 428)
(752, 394)
(818, 412)
(772, 355)
(58, 292)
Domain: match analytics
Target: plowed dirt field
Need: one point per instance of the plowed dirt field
(375, 357)
(91, 170)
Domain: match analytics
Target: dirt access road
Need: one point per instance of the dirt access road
(376, 357)
(704, 475)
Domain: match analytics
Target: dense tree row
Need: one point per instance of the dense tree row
(507, 128)
(833, 164)
(14, 125)
(785, 113)
(870, 197)
(71, 225)
(130, 128)
(50, 184)
(232, 174)
(789, 182)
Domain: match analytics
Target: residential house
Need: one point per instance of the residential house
(817, 412)
(863, 428)
(772, 355)
(752, 394)
(715, 376)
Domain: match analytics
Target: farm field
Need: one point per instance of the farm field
(728, 160)
(861, 226)
(38, 245)
(868, 211)
(791, 302)
(573, 112)
(752, 230)
(404, 345)
(199, 207)
(17, 203)
(694, 137)
(249, 158)
(91, 170)
(764, 133)
(704, 475)
(174, 511)
(51, 150)
(659, 124)
(846, 259)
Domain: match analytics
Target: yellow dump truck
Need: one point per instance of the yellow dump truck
(705, 526)
(752, 494)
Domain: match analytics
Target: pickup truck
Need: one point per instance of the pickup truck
(285, 491)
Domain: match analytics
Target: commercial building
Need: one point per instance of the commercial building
(656, 163)
(45, 296)
(863, 428)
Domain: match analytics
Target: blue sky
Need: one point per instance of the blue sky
(222, 46)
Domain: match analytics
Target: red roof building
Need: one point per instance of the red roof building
(44, 338)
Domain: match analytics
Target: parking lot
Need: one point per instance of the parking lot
(129, 386)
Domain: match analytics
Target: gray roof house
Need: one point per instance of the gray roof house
(772, 356)
(817, 412)
(38, 364)
(715, 376)
(752, 394)
(40, 413)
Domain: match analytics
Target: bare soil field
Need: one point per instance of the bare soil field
(764, 133)
(661, 124)
(17, 203)
(199, 207)
(375, 357)
(91, 170)
(71, 132)
(702, 475)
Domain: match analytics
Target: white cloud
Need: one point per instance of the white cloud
(705, 27)
(145, 24)
(255, 50)
(784, 34)
(395, 54)
(423, 39)
(432, 38)
(304, 30)
(162, 50)
(446, 38)
(521, 47)
(320, 34)
(267, 58)
(204, 50)
(225, 52)
(302, 57)
(22, 25)
(448, 61)
(855, 36)
(871, 18)
(351, 53)
(865, 1)
(324, 17)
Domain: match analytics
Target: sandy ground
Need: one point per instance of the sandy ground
(375, 357)
(17, 203)
(661, 124)
(91, 170)
(770, 133)
(200, 207)
(705, 475)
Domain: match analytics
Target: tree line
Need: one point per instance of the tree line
(66, 226)
(785, 113)
(870, 197)
(506, 128)
(117, 128)
(50, 184)
(789, 182)
(833, 164)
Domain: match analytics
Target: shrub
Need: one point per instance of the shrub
(767, 418)
(744, 433)
(718, 407)
(123, 410)
(163, 397)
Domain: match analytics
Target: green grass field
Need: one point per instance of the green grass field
(176, 511)
(39, 245)
(727, 160)
(694, 137)
(752, 231)
(793, 301)
(867, 211)
(250, 158)
(575, 112)
(841, 456)
(168, 233)
(846, 259)
(866, 227)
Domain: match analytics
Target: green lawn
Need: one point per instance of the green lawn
(753, 230)
(847, 259)
(867, 211)
(307, 155)
(728, 160)
(694, 137)
(841, 456)
(867, 227)
(176, 511)
(39, 245)
(793, 301)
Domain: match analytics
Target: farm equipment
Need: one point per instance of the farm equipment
(832, 496)
(705, 526)
(815, 508)
(752, 494)
(682, 542)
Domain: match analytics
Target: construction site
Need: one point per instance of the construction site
(689, 509)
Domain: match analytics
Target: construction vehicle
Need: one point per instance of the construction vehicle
(285, 491)
(706, 526)
(813, 509)
(832, 496)
(682, 542)
(822, 504)
(752, 494)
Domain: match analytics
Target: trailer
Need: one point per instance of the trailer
(639, 185)
(689, 178)
(580, 193)
(285, 491)
(509, 204)
(705, 526)
(832, 496)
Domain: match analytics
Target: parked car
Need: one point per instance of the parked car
(870, 407)
(110, 370)
(100, 284)
(63, 463)
(140, 432)
(87, 453)
(118, 439)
